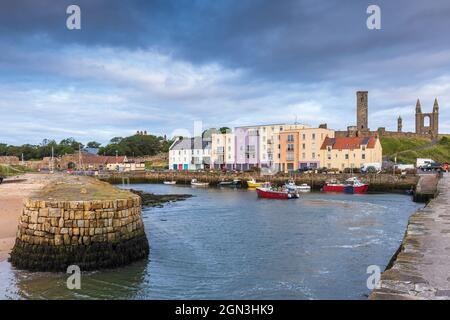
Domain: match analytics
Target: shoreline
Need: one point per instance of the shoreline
(12, 195)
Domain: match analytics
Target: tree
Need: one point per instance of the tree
(93, 144)
(224, 130)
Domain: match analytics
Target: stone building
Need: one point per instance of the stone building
(427, 124)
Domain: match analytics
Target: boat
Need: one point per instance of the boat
(303, 188)
(351, 185)
(269, 193)
(234, 184)
(290, 185)
(195, 183)
(253, 184)
(169, 182)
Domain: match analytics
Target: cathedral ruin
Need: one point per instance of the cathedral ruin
(427, 124)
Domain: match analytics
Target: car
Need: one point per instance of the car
(433, 166)
(1, 179)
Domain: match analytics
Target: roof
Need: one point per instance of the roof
(190, 143)
(343, 143)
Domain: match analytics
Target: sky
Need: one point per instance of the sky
(161, 65)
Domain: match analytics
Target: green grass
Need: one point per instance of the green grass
(13, 170)
(392, 145)
(439, 153)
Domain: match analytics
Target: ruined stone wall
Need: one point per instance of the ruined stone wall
(91, 234)
(10, 160)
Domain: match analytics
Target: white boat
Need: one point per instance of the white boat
(169, 182)
(301, 188)
(195, 183)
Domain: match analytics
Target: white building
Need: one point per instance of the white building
(189, 154)
(223, 153)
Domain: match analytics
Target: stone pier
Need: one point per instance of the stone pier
(102, 228)
(421, 268)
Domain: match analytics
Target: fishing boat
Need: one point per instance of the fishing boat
(195, 183)
(253, 184)
(268, 193)
(290, 185)
(169, 182)
(351, 185)
(234, 184)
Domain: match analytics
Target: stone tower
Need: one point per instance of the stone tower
(427, 123)
(362, 111)
(399, 124)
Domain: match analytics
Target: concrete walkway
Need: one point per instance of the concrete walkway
(422, 267)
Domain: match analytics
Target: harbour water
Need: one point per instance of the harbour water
(228, 244)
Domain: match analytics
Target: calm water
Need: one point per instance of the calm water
(227, 244)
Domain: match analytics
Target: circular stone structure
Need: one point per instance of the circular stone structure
(92, 234)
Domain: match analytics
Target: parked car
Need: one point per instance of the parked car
(433, 166)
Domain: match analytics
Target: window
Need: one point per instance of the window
(290, 137)
(303, 145)
(363, 156)
(290, 156)
(290, 147)
(229, 140)
(313, 136)
(363, 148)
(329, 157)
(329, 148)
(346, 156)
(313, 155)
(303, 155)
(304, 136)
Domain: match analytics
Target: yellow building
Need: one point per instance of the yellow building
(300, 148)
(342, 153)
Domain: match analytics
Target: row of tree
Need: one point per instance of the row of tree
(136, 145)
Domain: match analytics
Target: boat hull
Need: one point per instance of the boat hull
(346, 188)
(253, 184)
(269, 194)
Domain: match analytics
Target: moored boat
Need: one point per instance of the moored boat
(234, 184)
(195, 183)
(291, 186)
(169, 182)
(253, 184)
(351, 185)
(272, 194)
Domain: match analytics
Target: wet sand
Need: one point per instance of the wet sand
(12, 195)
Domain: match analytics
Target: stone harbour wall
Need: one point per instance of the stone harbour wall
(91, 234)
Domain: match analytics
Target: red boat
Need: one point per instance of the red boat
(352, 185)
(272, 194)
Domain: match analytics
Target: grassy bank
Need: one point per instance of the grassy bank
(407, 150)
(392, 145)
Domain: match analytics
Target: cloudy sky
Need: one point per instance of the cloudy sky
(161, 65)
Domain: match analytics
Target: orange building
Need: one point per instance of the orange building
(300, 148)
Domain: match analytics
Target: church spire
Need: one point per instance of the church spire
(418, 106)
(435, 106)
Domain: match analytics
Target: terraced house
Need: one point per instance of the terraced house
(300, 148)
(190, 154)
(350, 152)
(259, 146)
(223, 151)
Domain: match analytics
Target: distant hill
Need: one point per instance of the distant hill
(408, 150)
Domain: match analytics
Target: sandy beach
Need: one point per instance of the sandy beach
(12, 195)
